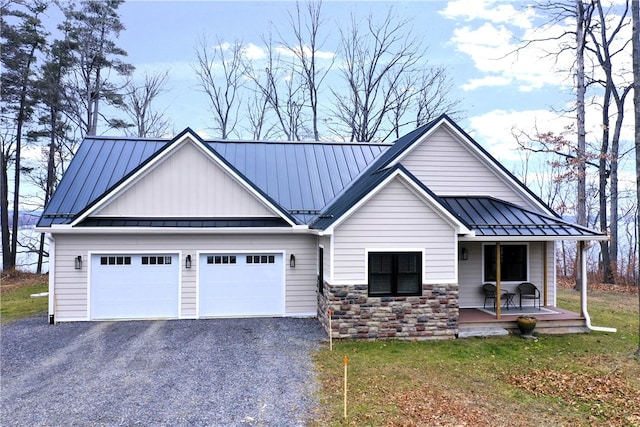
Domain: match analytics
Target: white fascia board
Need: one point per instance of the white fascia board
(182, 230)
(160, 158)
(479, 154)
(460, 227)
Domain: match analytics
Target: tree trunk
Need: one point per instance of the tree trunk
(4, 213)
(581, 214)
(635, 11)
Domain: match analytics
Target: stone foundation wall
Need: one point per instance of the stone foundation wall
(434, 315)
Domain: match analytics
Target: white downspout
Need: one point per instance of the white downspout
(52, 273)
(583, 293)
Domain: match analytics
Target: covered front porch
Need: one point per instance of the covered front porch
(551, 320)
(510, 246)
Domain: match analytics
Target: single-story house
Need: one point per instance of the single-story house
(395, 240)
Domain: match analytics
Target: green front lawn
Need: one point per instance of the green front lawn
(17, 303)
(578, 379)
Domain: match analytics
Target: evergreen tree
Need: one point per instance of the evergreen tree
(91, 35)
(23, 38)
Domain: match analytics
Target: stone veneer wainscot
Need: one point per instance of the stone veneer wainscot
(434, 315)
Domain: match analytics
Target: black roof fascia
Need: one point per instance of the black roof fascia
(404, 142)
(134, 171)
(500, 166)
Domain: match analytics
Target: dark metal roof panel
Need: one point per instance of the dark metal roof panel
(98, 165)
(488, 216)
(300, 177)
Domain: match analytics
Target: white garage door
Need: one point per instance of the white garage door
(134, 286)
(241, 284)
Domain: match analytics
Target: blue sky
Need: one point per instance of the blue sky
(500, 92)
(163, 35)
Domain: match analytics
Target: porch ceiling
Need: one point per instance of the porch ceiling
(491, 218)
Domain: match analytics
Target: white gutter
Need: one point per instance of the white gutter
(583, 293)
(52, 273)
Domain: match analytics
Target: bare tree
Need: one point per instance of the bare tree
(387, 82)
(138, 104)
(306, 31)
(435, 96)
(221, 72)
(605, 47)
(280, 87)
(377, 59)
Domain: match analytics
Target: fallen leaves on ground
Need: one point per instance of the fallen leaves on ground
(566, 283)
(609, 397)
(14, 279)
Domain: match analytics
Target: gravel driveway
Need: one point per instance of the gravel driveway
(231, 372)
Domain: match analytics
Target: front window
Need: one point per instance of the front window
(513, 263)
(395, 273)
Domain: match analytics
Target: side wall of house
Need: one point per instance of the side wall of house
(394, 219)
(71, 286)
(449, 167)
(471, 273)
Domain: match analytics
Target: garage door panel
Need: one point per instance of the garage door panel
(145, 287)
(241, 285)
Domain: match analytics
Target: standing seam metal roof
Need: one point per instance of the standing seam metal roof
(301, 178)
(488, 216)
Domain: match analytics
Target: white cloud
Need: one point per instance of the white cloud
(486, 81)
(320, 54)
(490, 10)
(495, 130)
(253, 52)
(494, 50)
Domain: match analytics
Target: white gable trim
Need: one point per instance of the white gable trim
(444, 122)
(412, 186)
(175, 145)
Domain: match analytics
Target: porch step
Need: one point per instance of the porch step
(485, 331)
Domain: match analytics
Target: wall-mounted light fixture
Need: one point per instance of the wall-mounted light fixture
(78, 262)
(187, 262)
(464, 254)
(292, 260)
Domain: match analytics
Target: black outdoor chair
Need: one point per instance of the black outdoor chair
(528, 290)
(490, 291)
